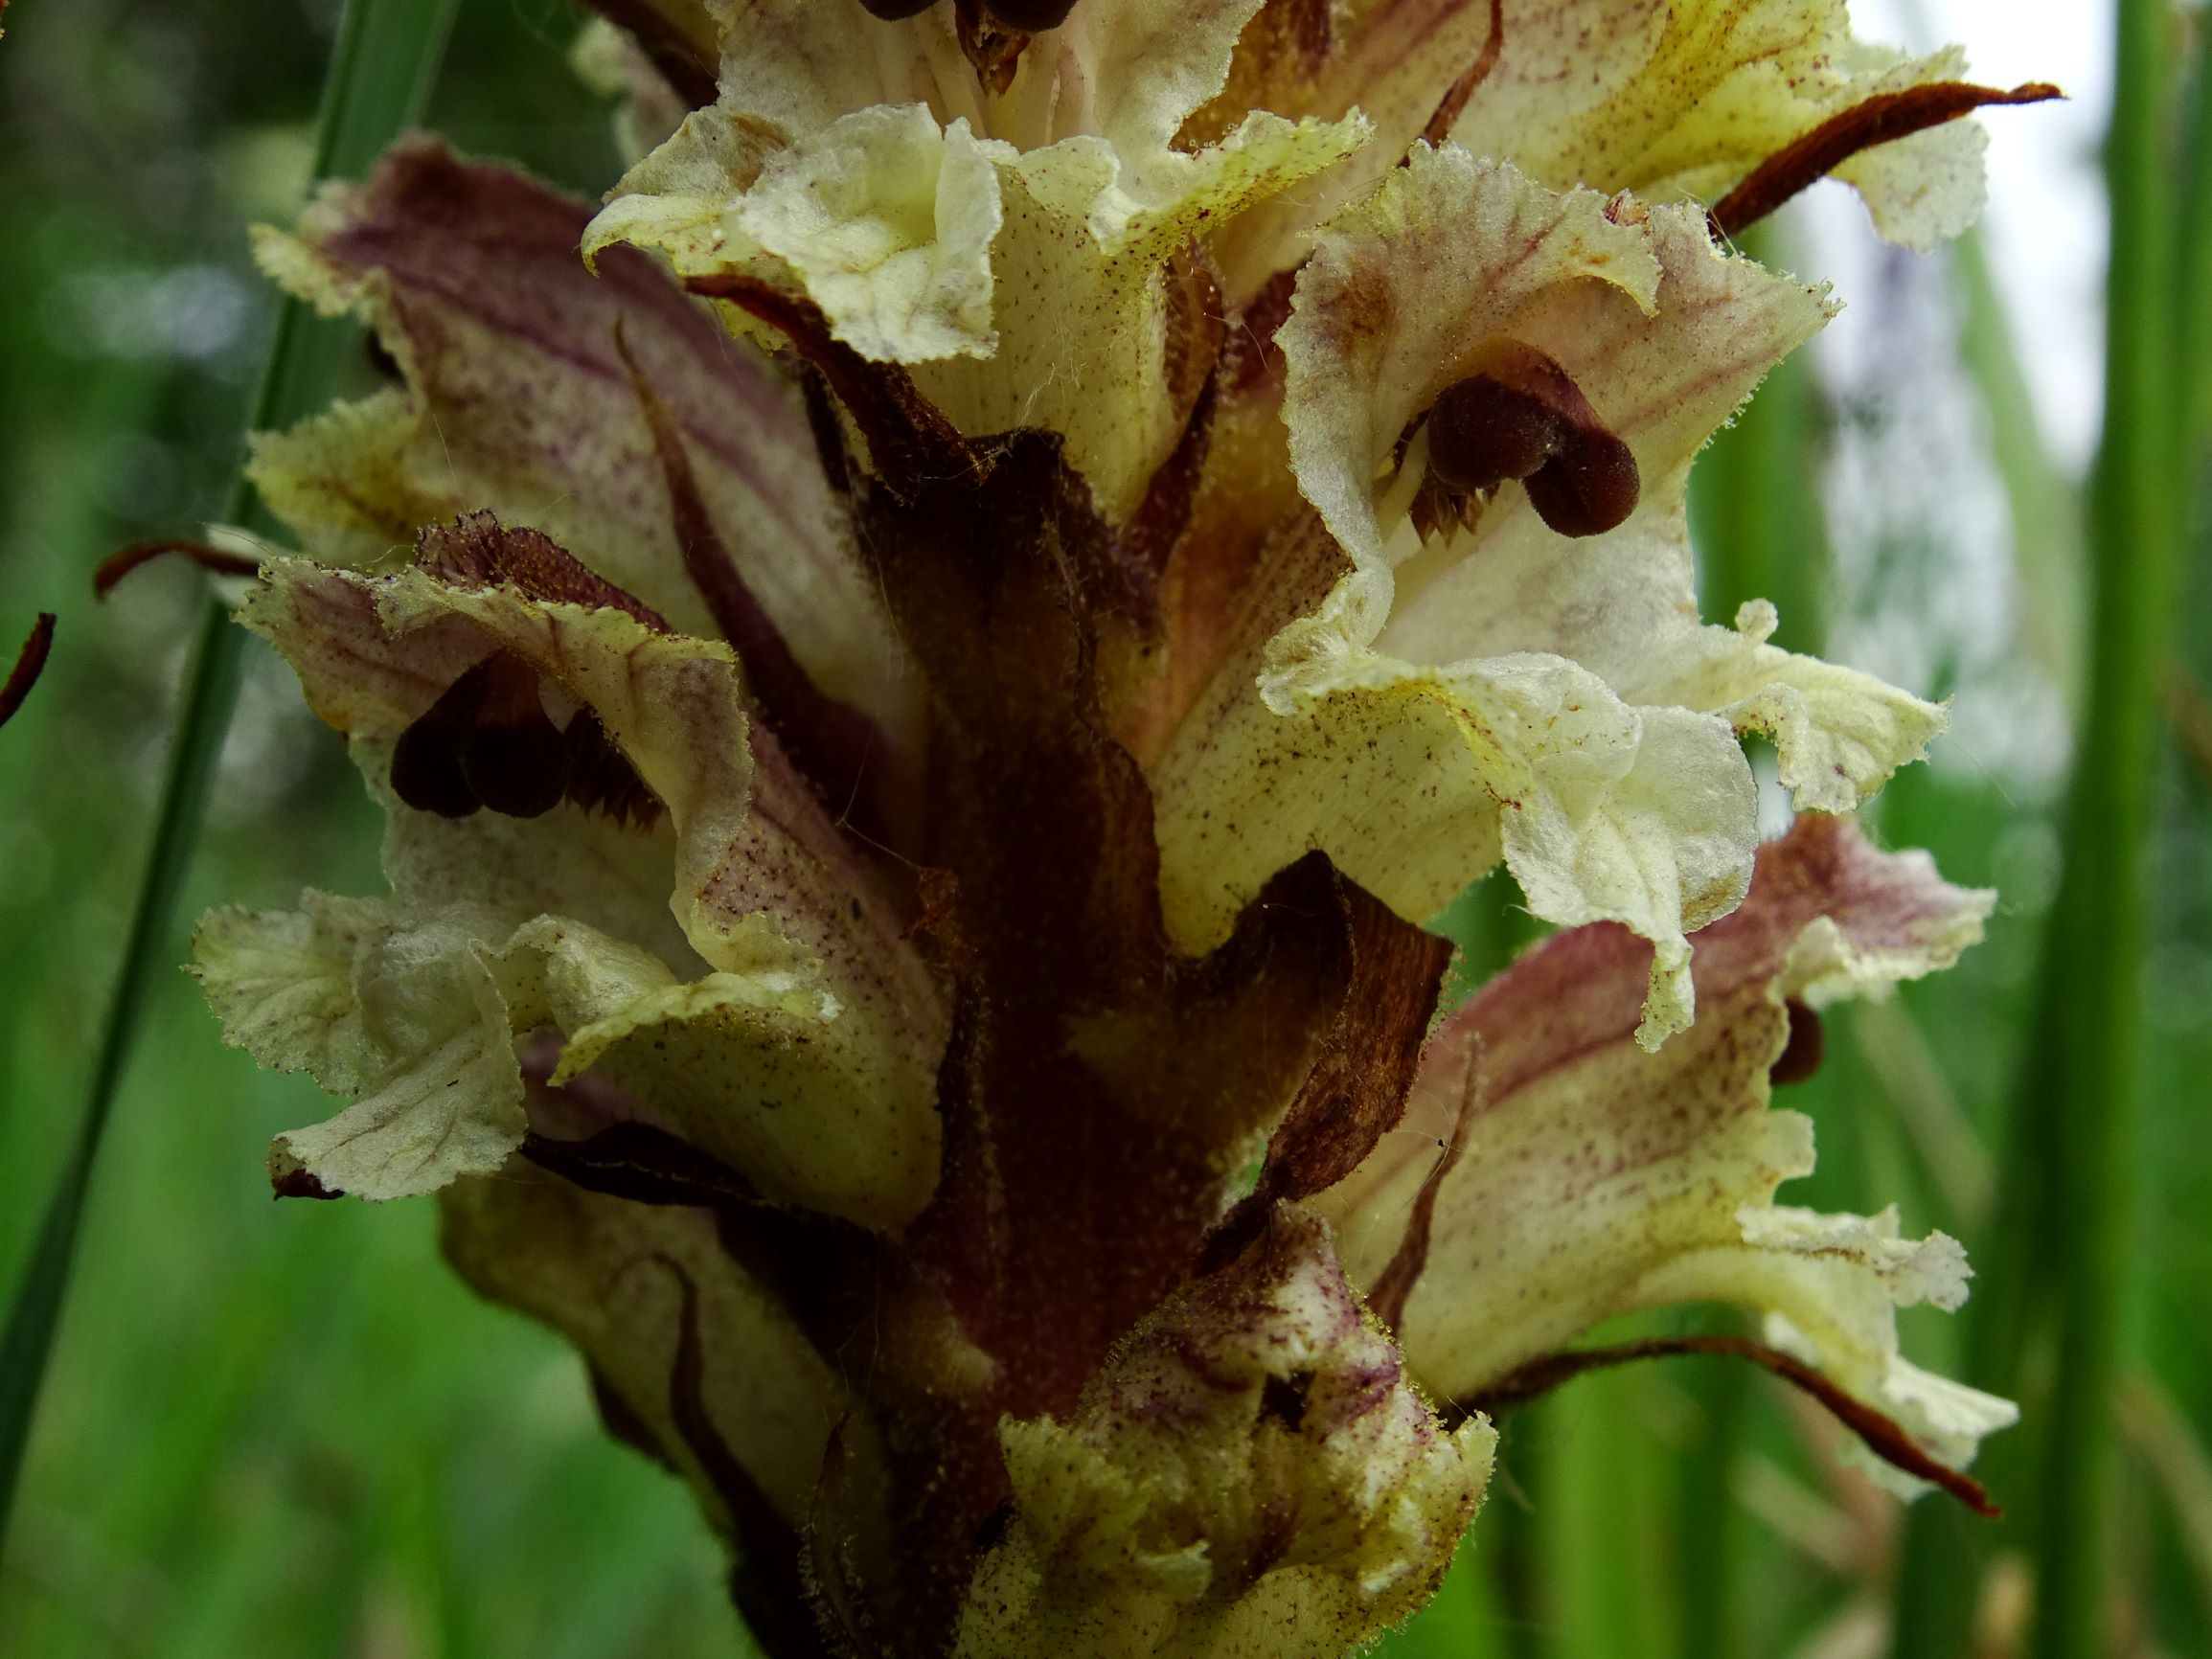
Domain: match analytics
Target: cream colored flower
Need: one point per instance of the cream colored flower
(914, 770)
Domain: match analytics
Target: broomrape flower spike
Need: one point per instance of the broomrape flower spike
(924, 664)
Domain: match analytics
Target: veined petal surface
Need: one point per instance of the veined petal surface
(514, 398)
(738, 970)
(1594, 1178)
(1492, 687)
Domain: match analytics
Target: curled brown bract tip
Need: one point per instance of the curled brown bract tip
(1394, 1286)
(1354, 1091)
(830, 741)
(1448, 112)
(1882, 118)
(1879, 1433)
(909, 437)
(30, 662)
(216, 561)
(688, 70)
(766, 1582)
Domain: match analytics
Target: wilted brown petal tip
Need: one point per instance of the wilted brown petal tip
(296, 1183)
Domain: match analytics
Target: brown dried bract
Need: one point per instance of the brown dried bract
(909, 439)
(1394, 1286)
(689, 70)
(476, 551)
(828, 740)
(1356, 1091)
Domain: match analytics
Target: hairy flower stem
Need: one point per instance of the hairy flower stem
(379, 78)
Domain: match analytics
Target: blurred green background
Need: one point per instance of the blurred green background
(283, 1430)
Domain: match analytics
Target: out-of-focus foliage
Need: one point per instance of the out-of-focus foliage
(285, 1430)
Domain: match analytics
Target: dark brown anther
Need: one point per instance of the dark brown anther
(1590, 488)
(486, 743)
(426, 771)
(892, 11)
(1030, 16)
(1521, 416)
(1482, 432)
(1802, 1054)
(512, 754)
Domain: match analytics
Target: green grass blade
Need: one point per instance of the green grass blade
(2193, 266)
(2093, 969)
(379, 78)
(2046, 1328)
